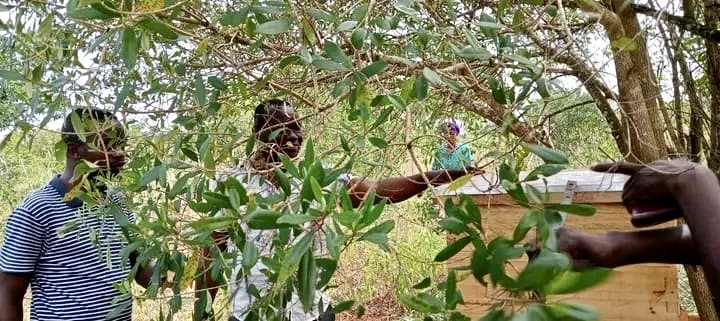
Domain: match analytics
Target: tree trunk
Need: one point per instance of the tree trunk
(637, 122)
(711, 14)
(642, 69)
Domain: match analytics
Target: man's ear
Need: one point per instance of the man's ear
(76, 151)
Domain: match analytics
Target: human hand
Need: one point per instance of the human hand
(585, 250)
(649, 194)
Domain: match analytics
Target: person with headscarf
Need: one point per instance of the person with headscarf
(452, 154)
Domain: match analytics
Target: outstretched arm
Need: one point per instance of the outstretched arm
(673, 245)
(398, 189)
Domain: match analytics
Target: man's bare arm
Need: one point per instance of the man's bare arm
(401, 188)
(12, 290)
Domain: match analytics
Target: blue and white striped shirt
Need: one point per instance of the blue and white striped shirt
(72, 251)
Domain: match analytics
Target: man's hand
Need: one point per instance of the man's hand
(584, 249)
(650, 195)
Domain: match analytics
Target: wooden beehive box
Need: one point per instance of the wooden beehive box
(632, 293)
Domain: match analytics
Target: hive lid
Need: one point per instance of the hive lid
(587, 181)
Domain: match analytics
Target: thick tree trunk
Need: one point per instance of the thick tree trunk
(637, 121)
(712, 17)
(642, 69)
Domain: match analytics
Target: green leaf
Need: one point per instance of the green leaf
(299, 249)
(572, 282)
(233, 18)
(153, 174)
(249, 255)
(295, 219)
(453, 225)
(420, 89)
(546, 170)
(374, 68)
(180, 185)
(263, 219)
(336, 54)
(548, 155)
(358, 37)
(283, 181)
(346, 26)
(307, 279)
(11, 75)
(122, 95)
(308, 32)
(573, 311)
(527, 221)
(431, 76)
(200, 92)
(328, 65)
(422, 284)
(129, 47)
(60, 150)
(540, 271)
(534, 194)
(213, 223)
(89, 13)
(579, 209)
(379, 234)
(489, 25)
(472, 53)
(407, 10)
(343, 306)
(159, 27)
(289, 60)
(321, 15)
(452, 295)
(497, 91)
(274, 27)
(378, 142)
(452, 249)
(217, 83)
(423, 303)
(460, 182)
(542, 88)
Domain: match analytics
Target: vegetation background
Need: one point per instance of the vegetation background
(595, 80)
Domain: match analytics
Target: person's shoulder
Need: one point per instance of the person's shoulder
(41, 200)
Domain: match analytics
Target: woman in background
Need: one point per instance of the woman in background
(451, 154)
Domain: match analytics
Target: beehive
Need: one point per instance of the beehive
(636, 292)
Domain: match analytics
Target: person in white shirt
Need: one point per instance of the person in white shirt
(277, 132)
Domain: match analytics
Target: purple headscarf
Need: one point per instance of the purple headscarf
(451, 126)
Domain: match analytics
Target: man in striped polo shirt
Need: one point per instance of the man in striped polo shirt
(67, 250)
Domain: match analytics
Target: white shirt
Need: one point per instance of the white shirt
(241, 299)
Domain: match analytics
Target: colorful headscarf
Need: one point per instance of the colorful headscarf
(451, 126)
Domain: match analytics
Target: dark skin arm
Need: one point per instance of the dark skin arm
(12, 290)
(398, 189)
(611, 250)
(659, 192)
